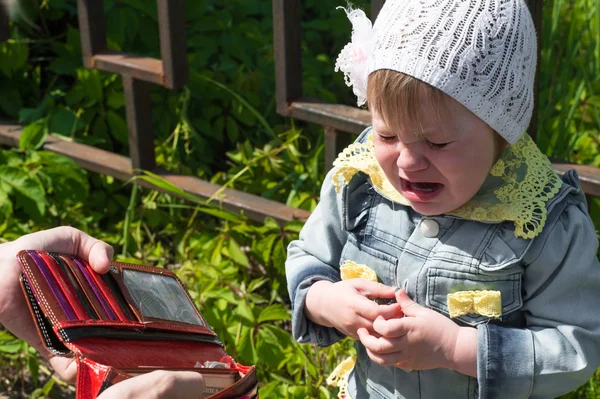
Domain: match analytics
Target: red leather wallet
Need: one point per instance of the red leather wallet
(132, 320)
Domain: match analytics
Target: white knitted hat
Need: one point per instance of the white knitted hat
(482, 53)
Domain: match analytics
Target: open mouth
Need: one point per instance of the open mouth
(420, 191)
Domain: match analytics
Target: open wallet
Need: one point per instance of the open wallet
(132, 320)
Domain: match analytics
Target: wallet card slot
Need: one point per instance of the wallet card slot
(66, 287)
(106, 292)
(97, 291)
(86, 288)
(118, 296)
(76, 333)
(54, 286)
(77, 289)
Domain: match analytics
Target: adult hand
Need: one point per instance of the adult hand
(346, 305)
(14, 313)
(423, 339)
(158, 384)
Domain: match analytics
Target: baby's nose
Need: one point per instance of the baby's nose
(411, 160)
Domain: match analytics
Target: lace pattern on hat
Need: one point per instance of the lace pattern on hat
(482, 53)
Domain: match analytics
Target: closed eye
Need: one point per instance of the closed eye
(387, 139)
(436, 146)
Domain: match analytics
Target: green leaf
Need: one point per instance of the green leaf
(33, 365)
(65, 122)
(233, 132)
(236, 254)
(13, 56)
(268, 347)
(10, 98)
(245, 346)
(245, 312)
(117, 127)
(274, 312)
(11, 347)
(33, 136)
(91, 83)
(27, 188)
(6, 206)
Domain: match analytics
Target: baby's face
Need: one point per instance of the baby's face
(443, 170)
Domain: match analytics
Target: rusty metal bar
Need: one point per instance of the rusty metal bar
(92, 28)
(108, 163)
(253, 206)
(331, 145)
(288, 53)
(4, 28)
(375, 8)
(141, 68)
(173, 48)
(344, 118)
(139, 123)
(334, 144)
(589, 176)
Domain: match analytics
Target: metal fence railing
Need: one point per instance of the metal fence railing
(340, 121)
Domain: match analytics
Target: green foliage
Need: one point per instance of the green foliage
(221, 127)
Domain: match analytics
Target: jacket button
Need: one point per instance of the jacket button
(429, 227)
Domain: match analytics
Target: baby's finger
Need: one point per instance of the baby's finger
(393, 311)
(389, 359)
(382, 345)
(350, 327)
(372, 289)
(392, 328)
(366, 308)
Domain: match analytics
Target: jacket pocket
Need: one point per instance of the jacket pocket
(383, 264)
(441, 282)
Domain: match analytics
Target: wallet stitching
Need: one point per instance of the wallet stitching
(53, 318)
(40, 323)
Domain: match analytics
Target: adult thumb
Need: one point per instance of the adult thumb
(409, 307)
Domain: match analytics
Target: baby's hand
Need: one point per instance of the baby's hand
(346, 306)
(422, 340)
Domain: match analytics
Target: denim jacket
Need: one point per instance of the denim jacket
(547, 341)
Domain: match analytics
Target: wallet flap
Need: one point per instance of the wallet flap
(130, 354)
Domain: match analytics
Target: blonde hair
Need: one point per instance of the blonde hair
(397, 97)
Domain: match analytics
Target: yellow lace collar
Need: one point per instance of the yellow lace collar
(517, 189)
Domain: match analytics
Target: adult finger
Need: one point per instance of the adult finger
(71, 241)
(158, 384)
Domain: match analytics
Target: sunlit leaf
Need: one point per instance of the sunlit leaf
(28, 190)
(245, 312)
(33, 136)
(273, 313)
(236, 254)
